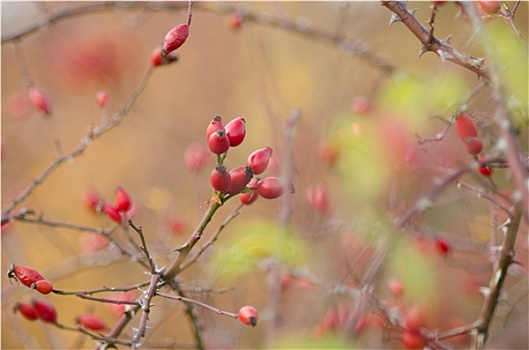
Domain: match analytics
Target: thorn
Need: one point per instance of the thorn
(423, 50)
(448, 38)
(412, 11)
(477, 62)
(394, 18)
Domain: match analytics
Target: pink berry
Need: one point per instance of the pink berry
(43, 286)
(175, 38)
(490, 6)
(112, 212)
(465, 127)
(271, 187)
(318, 198)
(474, 146)
(196, 157)
(249, 198)
(39, 99)
(91, 321)
(26, 310)
(236, 130)
(248, 315)
(258, 160)
(361, 105)
(213, 126)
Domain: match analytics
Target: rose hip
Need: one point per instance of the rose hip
(474, 146)
(270, 187)
(220, 178)
(218, 142)
(122, 199)
(27, 310)
(240, 177)
(236, 130)
(250, 197)
(112, 212)
(258, 160)
(24, 274)
(216, 124)
(157, 59)
(91, 321)
(465, 127)
(175, 38)
(45, 310)
(43, 286)
(39, 99)
(248, 315)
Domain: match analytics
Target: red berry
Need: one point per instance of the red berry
(443, 246)
(39, 99)
(45, 310)
(240, 177)
(42, 286)
(249, 198)
(485, 170)
(92, 242)
(216, 124)
(25, 275)
(490, 6)
(157, 59)
(465, 127)
(258, 160)
(27, 310)
(122, 199)
(196, 156)
(439, 2)
(236, 130)
(396, 287)
(176, 37)
(270, 187)
(248, 315)
(235, 21)
(318, 198)
(413, 340)
(91, 321)
(176, 225)
(112, 212)
(102, 98)
(414, 319)
(328, 153)
(474, 146)
(220, 178)
(218, 142)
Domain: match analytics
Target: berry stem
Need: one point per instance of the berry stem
(199, 303)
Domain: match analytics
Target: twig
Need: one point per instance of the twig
(94, 336)
(145, 303)
(197, 334)
(440, 47)
(139, 230)
(199, 303)
(102, 290)
(481, 333)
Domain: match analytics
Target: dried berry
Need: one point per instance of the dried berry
(175, 38)
(24, 274)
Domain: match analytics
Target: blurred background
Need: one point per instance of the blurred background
(356, 138)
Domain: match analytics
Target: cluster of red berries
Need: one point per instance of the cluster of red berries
(30, 278)
(240, 180)
(37, 309)
(468, 133)
(117, 211)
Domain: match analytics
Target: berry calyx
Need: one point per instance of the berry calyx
(122, 199)
(220, 178)
(240, 177)
(258, 160)
(248, 315)
(216, 124)
(218, 142)
(91, 321)
(112, 212)
(43, 286)
(157, 59)
(26, 310)
(175, 38)
(236, 130)
(24, 274)
(271, 187)
(45, 310)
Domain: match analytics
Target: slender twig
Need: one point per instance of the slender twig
(82, 295)
(92, 335)
(196, 302)
(481, 333)
(139, 230)
(190, 313)
(102, 290)
(440, 47)
(214, 237)
(145, 303)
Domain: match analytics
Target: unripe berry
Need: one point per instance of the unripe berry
(26, 310)
(157, 59)
(270, 187)
(196, 156)
(220, 178)
(24, 274)
(122, 199)
(236, 130)
(218, 142)
(43, 286)
(258, 160)
(112, 212)
(39, 99)
(490, 6)
(474, 146)
(465, 127)
(248, 315)
(443, 246)
(216, 124)
(240, 177)
(45, 310)
(249, 198)
(102, 98)
(91, 321)
(175, 38)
